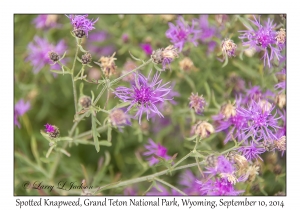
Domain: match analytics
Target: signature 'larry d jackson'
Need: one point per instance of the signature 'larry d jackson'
(64, 185)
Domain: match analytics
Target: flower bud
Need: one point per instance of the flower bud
(118, 118)
(204, 129)
(52, 131)
(86, 58)
(197, 103)
(277, 169)
(252, 172)
(228, 110)
(79, 33)
(108, 65)
(85, 101)
(228, 47)
(280, 144)
(280, 100)
(186, 64)
(165, 55)
(221, 19)
(211, 161)
(53, 56)
(281, 36)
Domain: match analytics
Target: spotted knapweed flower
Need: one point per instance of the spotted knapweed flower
(82, 25)
(207, 32)
(52, 131)
(222, 166)
(20, 109)
(146, 47)
(252, 151)
(119, 118)
(98, 43)
(228, 48)
(85, 102)
(154, 151)
(261, 122)
(145, 95)
(38, 53)
(181, 33)
(217, 187)
(202, 129)
(233, 125)
(197, 103)
(186, 64)
(165, 55)
(108, 65)
(263, 38)
(46, 21)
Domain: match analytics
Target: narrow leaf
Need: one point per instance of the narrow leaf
(59, 72)
(95, 133)
(81, 49)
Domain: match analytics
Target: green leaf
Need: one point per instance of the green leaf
(191, 138)
(190, 82)
(93, 96)
(45, 135)
(226, 61)
(109, 133)
(59, 72)
(81, 49)
(95, 133)
(66, 138)
(137, 59)
(105, 143)
(157, 68)
(77, 58)
(123, 104)
(63, 55)
(50, 150)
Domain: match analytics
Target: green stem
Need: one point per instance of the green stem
(169, 185)
(89, 133)
(72, 76)
(151, 177)
(124, 75)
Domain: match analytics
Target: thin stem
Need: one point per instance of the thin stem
(89, 133)
(124, 75)
(72, 76)
(169, 185)
(196, 158)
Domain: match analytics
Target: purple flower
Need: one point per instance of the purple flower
(261, 123)
(81, 22)
(20, 109)
(49, 128)
(219, 187)
(125, 38)
(163, 191)
(223, 166)
(251, 151)
(181, 33)
(96, 43)
(263, 38)
(144, 95)
(188, 180)
(146, 48)
(130, 191)
(39, 53)
(207, 32)
(155, 150)
(45, 21)
(233, 126)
